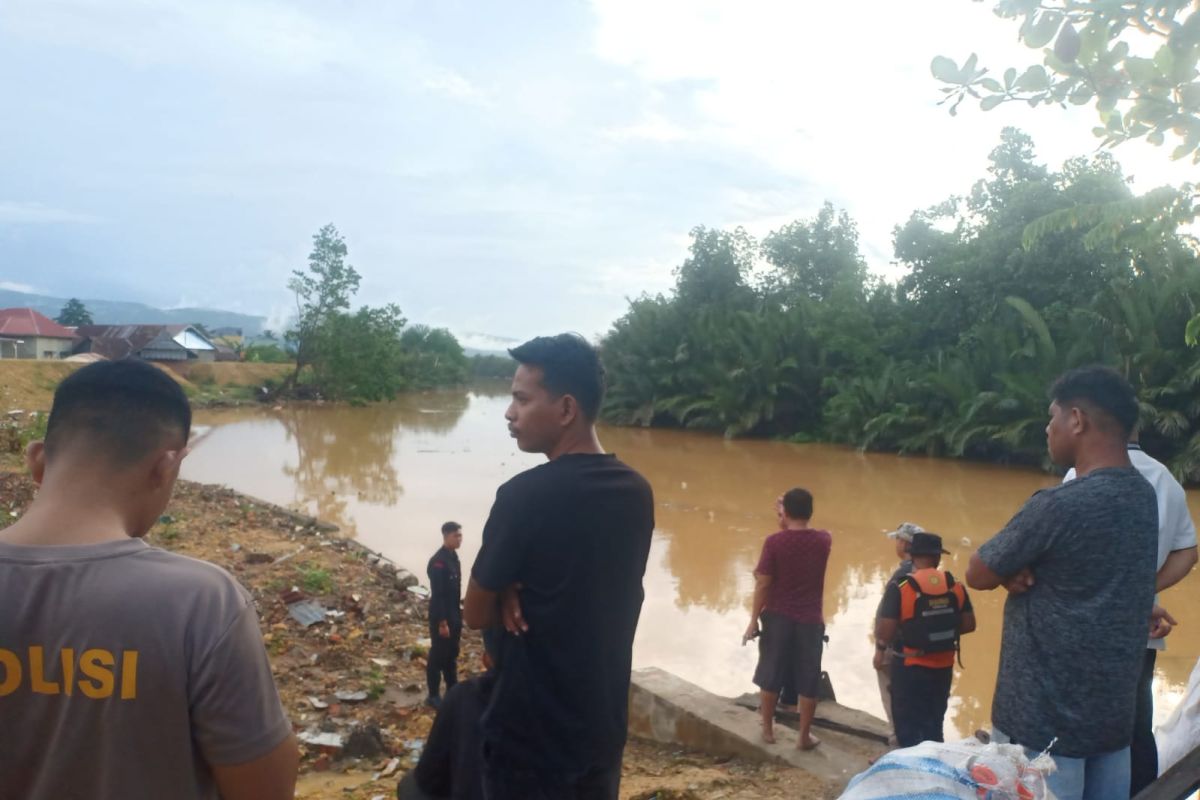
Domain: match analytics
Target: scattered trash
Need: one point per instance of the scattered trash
(419, 591)
(235, 547)
(318, 703)
(322, 739)
(351, 697)
(365, 741)
(282, 559)
(391, 767)
(383, 662)
(306, 612)
(405, 579)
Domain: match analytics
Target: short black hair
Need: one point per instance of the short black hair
(124, 408)
(1102, 388)
(450, 527)
(798, 504)
(569, 366)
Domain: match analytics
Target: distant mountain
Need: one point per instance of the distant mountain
(114, 312)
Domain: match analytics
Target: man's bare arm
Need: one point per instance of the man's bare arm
(269, 777)
(761, 582)
(967, 623)
(1177, 566)
(885, 630)
(980, 576)
(480, 608)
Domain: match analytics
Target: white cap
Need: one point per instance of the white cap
(905, 531)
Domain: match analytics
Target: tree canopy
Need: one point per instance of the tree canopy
(954, 358)
(364, 354)
(74, 313)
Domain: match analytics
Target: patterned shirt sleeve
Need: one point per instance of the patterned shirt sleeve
(1024, 539)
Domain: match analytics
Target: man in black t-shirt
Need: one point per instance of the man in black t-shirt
(445, 613)
(564, 552)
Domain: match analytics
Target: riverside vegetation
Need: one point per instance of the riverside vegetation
(791, 337)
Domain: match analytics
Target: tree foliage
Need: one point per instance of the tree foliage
(74, 313)
(1134, 61)
(955, 358)
(361, 355)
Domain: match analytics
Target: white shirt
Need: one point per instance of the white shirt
(1175, 528)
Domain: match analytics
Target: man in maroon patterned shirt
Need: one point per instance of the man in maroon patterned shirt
(789, 583)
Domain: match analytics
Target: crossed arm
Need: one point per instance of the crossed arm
(484, 608)
(980, 576)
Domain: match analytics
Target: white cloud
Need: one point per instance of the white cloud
(13, 286)
(654, 128)
(451, 84)
(839, 99)
(27, 213)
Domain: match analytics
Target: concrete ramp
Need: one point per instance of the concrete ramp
(665, 708)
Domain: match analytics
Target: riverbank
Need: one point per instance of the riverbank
(352, 681)
(28, 385)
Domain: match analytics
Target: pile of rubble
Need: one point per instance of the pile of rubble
(347, 634)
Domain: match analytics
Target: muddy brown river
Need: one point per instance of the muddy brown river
(391, 475)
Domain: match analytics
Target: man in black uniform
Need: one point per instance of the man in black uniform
(445, 613)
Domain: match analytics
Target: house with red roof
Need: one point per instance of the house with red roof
(24, 333)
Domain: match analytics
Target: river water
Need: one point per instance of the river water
(392, 474)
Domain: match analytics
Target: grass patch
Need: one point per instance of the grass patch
(315, 580)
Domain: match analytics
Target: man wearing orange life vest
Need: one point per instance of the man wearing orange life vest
(927, 611)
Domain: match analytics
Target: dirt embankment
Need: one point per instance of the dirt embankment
(355, 677)
(29, 385)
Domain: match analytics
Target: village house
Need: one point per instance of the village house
(24, 333)
(147, 342)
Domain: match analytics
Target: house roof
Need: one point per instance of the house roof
(119, 341)
(27, 322)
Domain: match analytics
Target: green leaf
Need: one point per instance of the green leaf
(968, 70)
(1043, 29)
(992, 85)
(1155, 138)
(1140, 70)
(1164, 60)
(1182, 150)
(991, 101)
(945, 70)
(1192, 334)
(1081, 95)
(1189, 96)
(1034, 79)
(1010, 75)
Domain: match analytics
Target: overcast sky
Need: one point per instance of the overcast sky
(505, 168)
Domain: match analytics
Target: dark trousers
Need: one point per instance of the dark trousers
(1143, 752)
(514, 784)
(919, 698)
(443, 659)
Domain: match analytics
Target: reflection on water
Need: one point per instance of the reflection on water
(392, 474)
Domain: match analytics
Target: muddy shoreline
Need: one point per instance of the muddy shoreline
(352, 674)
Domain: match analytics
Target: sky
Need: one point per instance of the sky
(508, 169)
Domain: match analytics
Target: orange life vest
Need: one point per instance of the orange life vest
(931, 609)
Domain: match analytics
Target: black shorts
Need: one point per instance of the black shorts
(789, 649)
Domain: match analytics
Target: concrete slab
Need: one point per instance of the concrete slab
(666, 708)
(831, 716)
